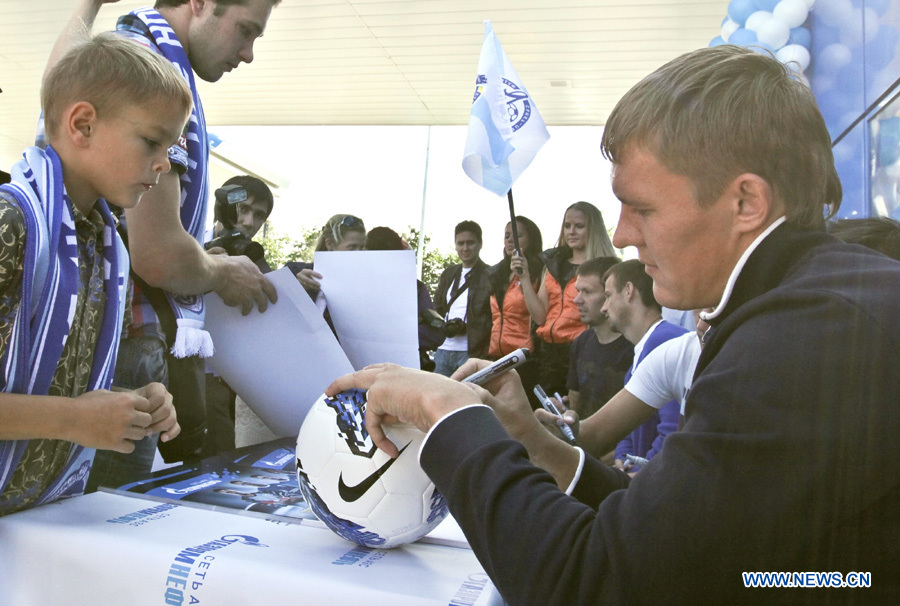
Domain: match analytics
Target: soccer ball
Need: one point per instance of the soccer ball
(357, 490)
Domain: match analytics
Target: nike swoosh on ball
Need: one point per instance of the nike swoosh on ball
(354, 493)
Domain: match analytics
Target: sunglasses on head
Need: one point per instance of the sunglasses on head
(351, 221)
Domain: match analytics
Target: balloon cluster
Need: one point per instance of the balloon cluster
(854, 50)
(773, 25)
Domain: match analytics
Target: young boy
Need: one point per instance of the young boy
(112, 109)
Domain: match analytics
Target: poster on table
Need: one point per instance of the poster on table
(107, 548)
(260, 480)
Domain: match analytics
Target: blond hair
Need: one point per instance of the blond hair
(337, 228)
(110, 72)
(598, 242)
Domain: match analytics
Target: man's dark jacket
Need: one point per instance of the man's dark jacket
(478, 314)
(788, 460)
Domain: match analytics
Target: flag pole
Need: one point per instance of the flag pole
(420, 247)
(513, 224)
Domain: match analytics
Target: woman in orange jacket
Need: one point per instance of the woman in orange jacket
(511, 327)
(582, 236)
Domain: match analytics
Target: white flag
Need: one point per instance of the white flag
(505, 129)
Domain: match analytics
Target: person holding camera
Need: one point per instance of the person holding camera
(243, 204)
(463, 298)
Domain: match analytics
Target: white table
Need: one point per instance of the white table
(113, 549)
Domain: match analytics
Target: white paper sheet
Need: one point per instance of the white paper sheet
(280, 361)
(112, 549)
(371, 296)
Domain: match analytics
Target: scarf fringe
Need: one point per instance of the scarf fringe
(192, 340)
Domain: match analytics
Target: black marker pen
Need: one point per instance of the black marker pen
(507, 362)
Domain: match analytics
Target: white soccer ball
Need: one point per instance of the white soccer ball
(357, 490)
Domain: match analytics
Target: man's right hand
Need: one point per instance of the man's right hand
(243, 284)
(506, 396)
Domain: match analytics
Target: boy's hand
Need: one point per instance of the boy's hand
(162, 411)
(109, 420)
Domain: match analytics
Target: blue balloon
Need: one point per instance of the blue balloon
(766, 5)
(801, 36)
(743, 37)
(739, 10)
(825, 36)
(717, 41)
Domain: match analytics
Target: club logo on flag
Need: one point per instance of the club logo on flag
(505, 128)
(517, 103)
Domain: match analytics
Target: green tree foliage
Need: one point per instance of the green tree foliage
(281, 248)
(435, 261)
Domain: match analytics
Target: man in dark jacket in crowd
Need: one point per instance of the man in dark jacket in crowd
(786, 462)
(463, 297)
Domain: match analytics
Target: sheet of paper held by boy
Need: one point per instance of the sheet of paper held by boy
(279, 362)
(371, 296)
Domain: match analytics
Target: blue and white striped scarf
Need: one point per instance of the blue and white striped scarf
(190, 339)
(43, 321)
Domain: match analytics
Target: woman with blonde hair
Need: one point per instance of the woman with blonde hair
(341, 232)
(582, 236)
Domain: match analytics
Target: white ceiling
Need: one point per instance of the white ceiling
(405, 62)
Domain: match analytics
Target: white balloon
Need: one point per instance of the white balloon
(792, 12)
(774, 32)
(755, 20)
(809, 3)
(794, 56)
(728, 28)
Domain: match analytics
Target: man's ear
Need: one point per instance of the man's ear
(79, 123)
(754, 202)
(629, 291)
(198, 6)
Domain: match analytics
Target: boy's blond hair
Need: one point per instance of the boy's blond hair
(110, 71)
